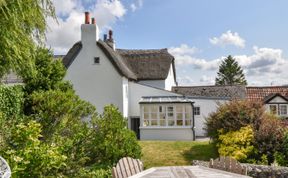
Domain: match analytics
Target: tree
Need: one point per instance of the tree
(23, 23)
(230, 73)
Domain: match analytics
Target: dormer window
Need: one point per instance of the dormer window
(96, 60)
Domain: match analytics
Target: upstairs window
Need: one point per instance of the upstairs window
(96, 60)
(197, 111)
(283, 110)
(273, 109)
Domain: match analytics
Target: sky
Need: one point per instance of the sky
(199, 34)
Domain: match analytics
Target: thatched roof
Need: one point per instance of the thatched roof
(151, 64)
(232, 92)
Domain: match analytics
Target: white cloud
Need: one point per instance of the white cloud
(184, 56)
(207, 80)
(265, 66)
(136, 5)
(183, 49)
(61, 36)
(64, 7)
(185, 80)
(228, 38)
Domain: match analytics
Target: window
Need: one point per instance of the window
(196, 110)
(96, 60)
(273, 109)
(146, 116)
(170, 116)
(188, 115)
(177, 115)
(162, 116)
(153, 116)
(283, 110)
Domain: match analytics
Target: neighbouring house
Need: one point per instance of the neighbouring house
(11, 79)
(275, 98)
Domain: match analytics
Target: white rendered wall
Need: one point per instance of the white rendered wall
(136, 91)
(206, 107)
(125, 89)
(99, 84)
(170, 82)
(166, 134)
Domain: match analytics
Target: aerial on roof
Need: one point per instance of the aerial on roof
(153, 64)
(260, 93)
(232, 92)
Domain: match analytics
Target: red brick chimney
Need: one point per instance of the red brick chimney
(87, 17)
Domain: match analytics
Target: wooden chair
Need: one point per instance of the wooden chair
(228, 164)
(5, 171)
(127, 167)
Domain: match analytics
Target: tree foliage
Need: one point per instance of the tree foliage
(48, 73)
(22, 23)
(230, 73)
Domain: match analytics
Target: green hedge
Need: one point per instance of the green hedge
(11, 100)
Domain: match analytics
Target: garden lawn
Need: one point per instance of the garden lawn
(175, 153)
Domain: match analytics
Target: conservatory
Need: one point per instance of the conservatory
(166, 118)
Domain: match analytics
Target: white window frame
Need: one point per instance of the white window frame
(280, 111)
(167, 119)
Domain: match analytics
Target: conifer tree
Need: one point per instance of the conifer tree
(230, 73)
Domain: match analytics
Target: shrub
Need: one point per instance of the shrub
(57, 110)
(281, 156)
(237, 144)
(231, 116)
(11, 101)
(269, 134)
(28, 156)
(113, 140)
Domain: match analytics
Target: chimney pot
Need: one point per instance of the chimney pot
(87, 17)
(110, 34)
(93, 21)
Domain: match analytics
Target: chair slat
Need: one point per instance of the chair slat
(127, 167)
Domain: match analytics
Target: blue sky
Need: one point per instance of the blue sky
(198, 33)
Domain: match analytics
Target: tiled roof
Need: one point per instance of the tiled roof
(151, 64)
(259, 93)
(232, 92)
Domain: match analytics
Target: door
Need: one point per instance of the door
(135, 124)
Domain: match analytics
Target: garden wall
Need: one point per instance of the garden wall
(257, 171)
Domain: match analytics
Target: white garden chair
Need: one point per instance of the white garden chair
(5, 171)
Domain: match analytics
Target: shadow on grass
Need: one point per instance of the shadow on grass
(200, 152)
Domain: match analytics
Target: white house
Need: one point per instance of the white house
(139, 83)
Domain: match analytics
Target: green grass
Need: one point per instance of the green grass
(175, 153)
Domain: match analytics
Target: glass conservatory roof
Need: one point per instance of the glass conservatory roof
(165, 99)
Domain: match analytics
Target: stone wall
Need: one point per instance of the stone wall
(257, 171)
